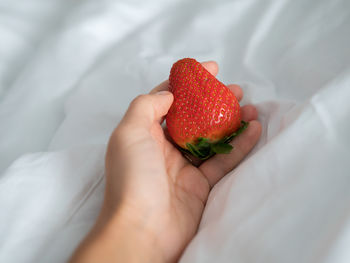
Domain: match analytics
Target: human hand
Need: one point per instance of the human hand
(154, 196)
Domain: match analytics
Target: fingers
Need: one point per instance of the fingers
(218, 166)
(162, 86)
(249, 113)
(211, 66)
(144, 110)
(236, 90)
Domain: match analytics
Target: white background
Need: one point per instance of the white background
(68, 70)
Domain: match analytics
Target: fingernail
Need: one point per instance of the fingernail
(163, 92)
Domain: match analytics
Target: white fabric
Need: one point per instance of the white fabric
(68, 70)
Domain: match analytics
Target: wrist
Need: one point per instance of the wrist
(137, 243)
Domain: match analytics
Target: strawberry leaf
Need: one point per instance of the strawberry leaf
(205, 149)
(194, 150)
(244, 126)
(203, 143)
(221, 147)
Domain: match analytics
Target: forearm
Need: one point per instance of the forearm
(120, 239)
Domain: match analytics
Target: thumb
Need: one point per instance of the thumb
(144, 110)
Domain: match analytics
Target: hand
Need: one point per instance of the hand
(154, 196)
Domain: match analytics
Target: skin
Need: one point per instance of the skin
(155, 197)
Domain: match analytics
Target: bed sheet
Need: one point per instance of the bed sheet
(68, 70)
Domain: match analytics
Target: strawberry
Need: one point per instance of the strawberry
(205, 115)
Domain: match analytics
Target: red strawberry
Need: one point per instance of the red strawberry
(205, 115)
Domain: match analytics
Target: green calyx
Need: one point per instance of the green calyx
(205, 149)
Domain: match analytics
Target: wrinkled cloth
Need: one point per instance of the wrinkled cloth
(68, 70)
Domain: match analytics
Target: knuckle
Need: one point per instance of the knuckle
(142, 104)
(117, 141)
(115, 138)
(140, 100)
